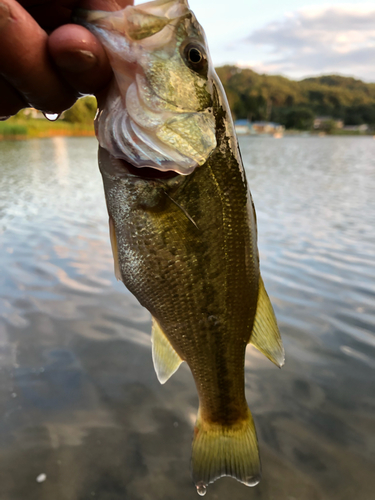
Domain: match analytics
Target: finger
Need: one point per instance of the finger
(78, 54)
(108, 5)
(85, 4)
(51, 14)
(10, 101)
(80, 57)
(25, 63)
(49, 17)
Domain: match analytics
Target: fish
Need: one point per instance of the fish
(182, 221)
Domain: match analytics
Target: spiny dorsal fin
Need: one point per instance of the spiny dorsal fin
(112, 235)
(265, 335)
(165, 358)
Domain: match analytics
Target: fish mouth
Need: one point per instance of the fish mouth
(140, 122)
(120, 168)
(127, 140)
(148, 173)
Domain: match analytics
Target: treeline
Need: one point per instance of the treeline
(295, 104)
(83, 111)
(76, 121)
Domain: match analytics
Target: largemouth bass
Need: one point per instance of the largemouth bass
(182, 221)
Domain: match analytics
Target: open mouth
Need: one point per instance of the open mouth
(147, 172)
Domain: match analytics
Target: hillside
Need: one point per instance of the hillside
(294, 104)
(276, 98)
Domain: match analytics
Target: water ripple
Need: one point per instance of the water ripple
(81, 399)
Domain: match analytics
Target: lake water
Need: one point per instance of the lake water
(79, 398)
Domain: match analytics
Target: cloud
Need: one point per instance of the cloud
(320, 40)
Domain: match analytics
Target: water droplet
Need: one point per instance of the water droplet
(52, 116)
(14, 394)
(41, 478)
(201, 489)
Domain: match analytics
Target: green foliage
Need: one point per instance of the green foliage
(251, 96)
(24, 125)
(24, 115)
(83, 111)
(12, 129)
(297, 117)
(328, 126)
(295, 104)
(78, 120)
(356, 115)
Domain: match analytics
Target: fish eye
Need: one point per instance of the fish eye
(195, 57)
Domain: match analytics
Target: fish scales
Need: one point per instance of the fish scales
(182, 222)
(209, 272)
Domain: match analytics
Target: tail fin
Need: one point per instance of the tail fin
(225, 451)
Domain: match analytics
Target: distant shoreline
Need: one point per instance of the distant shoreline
(53, 133)
(21, 129)
(91, 133)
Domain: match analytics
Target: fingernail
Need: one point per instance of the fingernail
(4, 14)
(76, 62)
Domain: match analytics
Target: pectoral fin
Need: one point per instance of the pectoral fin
(265, 335)
(165, 358)
(112, 235)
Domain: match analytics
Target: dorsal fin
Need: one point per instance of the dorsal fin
(112, 235)
(265, 335)
(165, 358)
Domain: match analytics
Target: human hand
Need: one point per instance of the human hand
(45, 62)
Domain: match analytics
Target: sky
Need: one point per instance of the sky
(294, 38)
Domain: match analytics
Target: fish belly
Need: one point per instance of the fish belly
(192, 262)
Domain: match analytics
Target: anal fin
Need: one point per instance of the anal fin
(265, 335)
(165, 358)
(116, 262)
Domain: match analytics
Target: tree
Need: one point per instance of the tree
(83, 111)
(299, 118)
(261, 97)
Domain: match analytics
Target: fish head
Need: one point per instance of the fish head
(158, 112)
